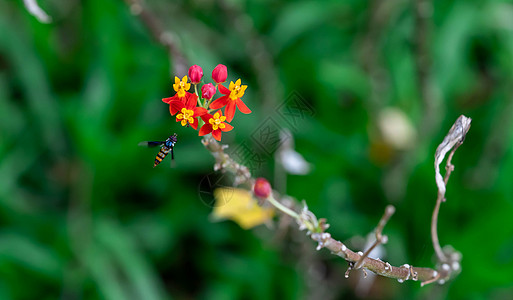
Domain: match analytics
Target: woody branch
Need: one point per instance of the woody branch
(447, 261)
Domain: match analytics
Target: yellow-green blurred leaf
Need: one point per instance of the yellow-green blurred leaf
(238, 205)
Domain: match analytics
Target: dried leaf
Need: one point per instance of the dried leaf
(455, 137)
(239, 205)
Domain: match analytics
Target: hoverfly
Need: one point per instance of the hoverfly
(165, 147)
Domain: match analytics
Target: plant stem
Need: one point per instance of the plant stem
(283, 208)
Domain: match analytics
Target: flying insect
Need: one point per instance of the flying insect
(165, 147)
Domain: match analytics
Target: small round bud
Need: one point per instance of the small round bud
(262, 188)
(195, 74)
(220, 74)
(207, 91)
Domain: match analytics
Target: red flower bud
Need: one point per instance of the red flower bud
(262, 188)
(207, 91)
(219, 74)
(195, 74)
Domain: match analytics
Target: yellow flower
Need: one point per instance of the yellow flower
(217, 121)
(236, 89)
(181, 86)
(186, 115)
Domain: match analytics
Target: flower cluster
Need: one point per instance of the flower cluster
(188, 107)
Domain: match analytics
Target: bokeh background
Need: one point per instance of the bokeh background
(83, 215)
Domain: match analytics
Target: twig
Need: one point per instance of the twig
(316, 228)
(448, 261)
(452, 140)
(402, 273)
(224, 162)
(380, 239)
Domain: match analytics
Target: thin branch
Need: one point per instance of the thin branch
(224, 162)
(402, 273)
(316, 229)
(452, 140)
(380, 239)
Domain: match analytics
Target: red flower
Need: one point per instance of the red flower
(187, 111)
(219, 74)
(215, 124)
(176, 103)
(181, 87)
(195, 74)
(231, 99)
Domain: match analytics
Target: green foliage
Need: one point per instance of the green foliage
(84, 215)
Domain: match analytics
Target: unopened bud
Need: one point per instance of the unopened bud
(220, 74)
(262, 188)
(207, 91)
(195, 74)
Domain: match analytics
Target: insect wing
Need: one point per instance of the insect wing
(150, 144)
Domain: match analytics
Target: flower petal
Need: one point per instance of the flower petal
(227, 127)
(219, 102)
(230, 111)
(175, 106)
(199, 111)
(194, 123)
(217, 134)
(223, 90)
(242, 107)
(206, 117)
(167, 100)
(205, 129)
(190, 100)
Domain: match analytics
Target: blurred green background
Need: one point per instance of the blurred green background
(83, 215)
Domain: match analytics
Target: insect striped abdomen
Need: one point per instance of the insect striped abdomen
(161, 155)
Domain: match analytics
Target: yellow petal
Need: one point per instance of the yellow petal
(216, 115)
(184, 122)
(223, 118)
(238, 205)
(215, 127)
(177, 80)
(231, 86)
(222, 126)
(184, 79)
(179, 116)
(238, 82)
